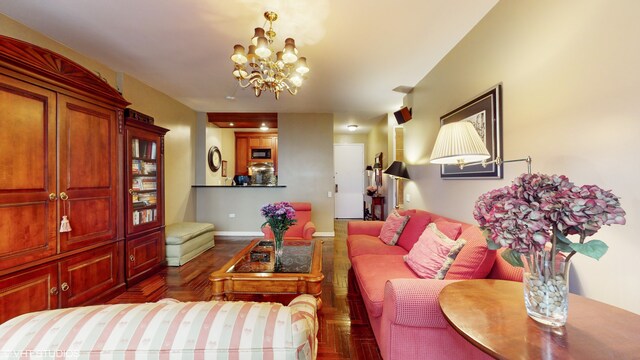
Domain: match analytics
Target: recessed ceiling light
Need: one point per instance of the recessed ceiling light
(352, 127)
(229, 97)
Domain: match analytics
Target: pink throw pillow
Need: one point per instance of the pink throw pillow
(452, 230)
(415, 227)
(392, 228)
(475, 260)
(433, 254)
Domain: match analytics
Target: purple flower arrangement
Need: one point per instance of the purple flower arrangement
(539, 211)
(280, 216)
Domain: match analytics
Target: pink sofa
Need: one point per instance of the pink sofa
(403, 308)
(302, 229)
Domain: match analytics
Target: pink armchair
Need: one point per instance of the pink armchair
(302, 229)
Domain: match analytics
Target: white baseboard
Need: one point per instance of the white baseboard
(238, 233)
(259, 233)
(324, 234)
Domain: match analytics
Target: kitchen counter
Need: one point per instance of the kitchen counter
(238, 186)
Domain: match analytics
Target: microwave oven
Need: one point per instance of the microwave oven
(261, 153)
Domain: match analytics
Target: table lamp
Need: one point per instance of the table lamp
(397, 170)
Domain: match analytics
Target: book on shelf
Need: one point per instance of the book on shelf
(135, 147)
(149, 168)
(153, 150)
(136, 167)
(148, 198)
(136, 184)
(144, 216)
(139, 204)
(148, 184)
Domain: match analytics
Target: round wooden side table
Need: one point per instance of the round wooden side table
(491, 315)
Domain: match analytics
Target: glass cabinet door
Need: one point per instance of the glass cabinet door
(143, 182)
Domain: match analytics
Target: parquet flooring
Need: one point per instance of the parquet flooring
(344, 331)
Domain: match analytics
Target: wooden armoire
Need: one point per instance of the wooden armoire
(61, 134)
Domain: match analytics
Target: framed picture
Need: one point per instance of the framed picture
(377, 169)
(485, 113)
(224, 168)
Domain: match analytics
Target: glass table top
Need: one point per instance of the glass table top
(297, 256)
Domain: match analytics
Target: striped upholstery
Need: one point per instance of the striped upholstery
(167, 330)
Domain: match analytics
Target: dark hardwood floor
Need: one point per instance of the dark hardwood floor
(344, 331)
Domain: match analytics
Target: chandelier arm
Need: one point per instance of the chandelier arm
(244, 86)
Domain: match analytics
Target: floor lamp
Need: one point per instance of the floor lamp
(397, 170)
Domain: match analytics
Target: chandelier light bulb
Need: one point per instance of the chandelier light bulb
(240, 74)
(258, 33)
(239, 56)
(296, 80)
(251, 56)
(262, 48)
(289, 52)
(302, 66)
(279, 61)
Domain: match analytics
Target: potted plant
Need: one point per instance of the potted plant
(534, 219)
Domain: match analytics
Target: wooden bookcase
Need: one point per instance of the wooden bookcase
(144, 169)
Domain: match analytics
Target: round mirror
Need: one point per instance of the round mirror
(214, 158)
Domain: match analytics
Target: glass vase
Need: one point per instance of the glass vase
(546, 287)
(278, 239)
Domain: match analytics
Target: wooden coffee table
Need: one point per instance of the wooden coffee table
(252, 271)
(491, 315)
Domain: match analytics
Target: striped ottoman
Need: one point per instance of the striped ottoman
(168, 329)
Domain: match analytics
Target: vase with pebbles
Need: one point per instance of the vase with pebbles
(546, 287)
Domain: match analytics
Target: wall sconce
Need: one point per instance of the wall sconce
(458, 143)
(397, 170)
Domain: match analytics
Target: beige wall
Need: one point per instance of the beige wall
(570, 88)
(305, 166)
(179, 158)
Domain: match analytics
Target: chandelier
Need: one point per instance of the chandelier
(259, 69)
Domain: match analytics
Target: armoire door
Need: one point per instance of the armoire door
(85, 276)
(35, 289)
(28, 219)
(88, 172)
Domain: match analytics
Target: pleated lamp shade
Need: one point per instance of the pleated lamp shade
(458, 143)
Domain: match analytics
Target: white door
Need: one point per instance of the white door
(348, 160)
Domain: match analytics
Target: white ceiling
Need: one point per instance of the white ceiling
(357, 50)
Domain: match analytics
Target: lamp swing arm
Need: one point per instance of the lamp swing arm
(498, 161)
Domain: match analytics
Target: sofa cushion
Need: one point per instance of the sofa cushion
(451, 229)
(474, 260)
(392, 228)
(418, 221)
(178, 233)
(433, 254)
(370, 245)
(503, 270)
(372, 272)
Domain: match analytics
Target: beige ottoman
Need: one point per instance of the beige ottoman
(186, 240)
